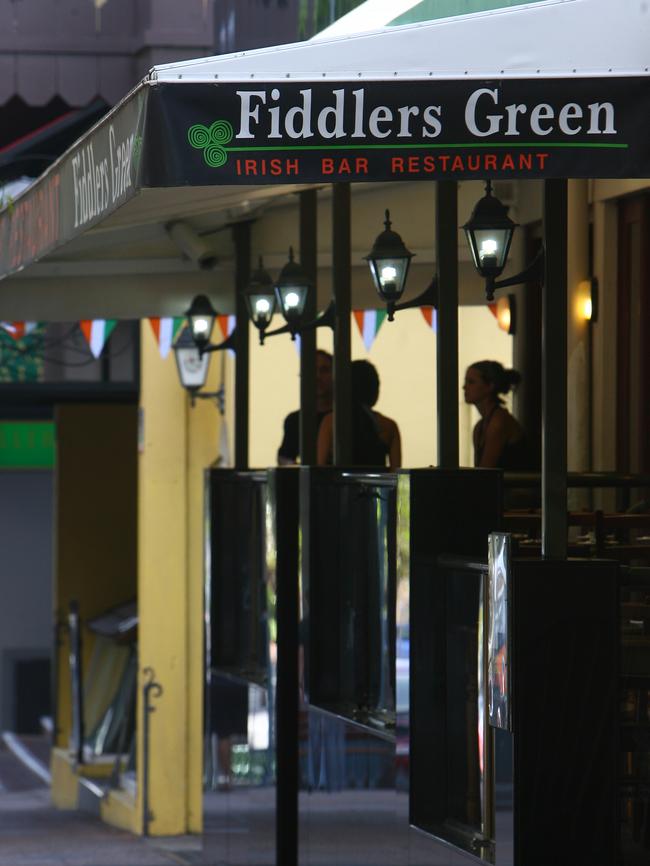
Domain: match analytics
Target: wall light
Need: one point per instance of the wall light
(389, 261)
(506, 313)
(588, 299)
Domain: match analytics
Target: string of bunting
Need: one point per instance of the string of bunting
(166, 329)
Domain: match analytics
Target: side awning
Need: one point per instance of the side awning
(30, 154)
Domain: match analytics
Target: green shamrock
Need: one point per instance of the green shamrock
(212, 140)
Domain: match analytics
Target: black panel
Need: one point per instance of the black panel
(565, 684)
(349, 574)
(237, 574)
(447, 512)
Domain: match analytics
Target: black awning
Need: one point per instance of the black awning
(30, 154)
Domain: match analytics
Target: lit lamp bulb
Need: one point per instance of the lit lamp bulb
(262, 306)
(291, 299)
(588, 299)
(488, 252)
(388, 277)
(200, 326)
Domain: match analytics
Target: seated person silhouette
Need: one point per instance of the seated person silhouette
(375, 437)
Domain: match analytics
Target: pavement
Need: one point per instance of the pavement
(34, 833)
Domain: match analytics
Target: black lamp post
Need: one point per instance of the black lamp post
(260, 299)
(291, 291)
(489, 233)
(389, 261)
(200, 318)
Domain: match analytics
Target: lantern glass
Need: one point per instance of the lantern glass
(292, 299)
(260, 298)
(261, 307)
(489, 233)
(389, 261)
(490, 247)
(192, 366)
(200, 318)
(389, 276)
(291, 291)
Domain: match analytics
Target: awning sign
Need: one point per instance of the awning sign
(382, 131)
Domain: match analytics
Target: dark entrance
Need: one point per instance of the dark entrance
(31, 693)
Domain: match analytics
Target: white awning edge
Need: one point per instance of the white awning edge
(579, 37)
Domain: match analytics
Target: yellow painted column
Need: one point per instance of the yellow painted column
(177, 443)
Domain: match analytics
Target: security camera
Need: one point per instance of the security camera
(192, 245)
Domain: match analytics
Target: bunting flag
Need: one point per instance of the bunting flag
(227, 325)
(431, 317)
(18, 330)
(369, 322)
(97, 332)
(166, 330)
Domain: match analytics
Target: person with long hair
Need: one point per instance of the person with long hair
(375, 437)
(499, 439)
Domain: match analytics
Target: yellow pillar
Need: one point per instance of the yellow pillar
(177, 443)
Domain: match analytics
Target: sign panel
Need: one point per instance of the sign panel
(381, 131)
(90, 181)
(499, 631)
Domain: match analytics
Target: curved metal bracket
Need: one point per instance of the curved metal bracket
(228, 343)
(325, 319)
(427, 298)
(151, 688)
(533, 273)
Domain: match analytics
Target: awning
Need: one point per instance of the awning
(551, 89)
(31, 153)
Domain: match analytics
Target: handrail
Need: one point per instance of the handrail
(579, 479)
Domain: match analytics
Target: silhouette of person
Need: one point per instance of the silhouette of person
(375, 437)
(289, 449)
(499, 439)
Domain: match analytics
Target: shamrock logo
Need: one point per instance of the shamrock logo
(212, 140)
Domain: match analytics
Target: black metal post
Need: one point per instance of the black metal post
(150, 689)
(342, 297)
(447, 335)
(242, 240)
(554, 373)
(308, 260)
(283, 490)
(76, 681)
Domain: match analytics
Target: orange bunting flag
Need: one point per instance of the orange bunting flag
(431, 317)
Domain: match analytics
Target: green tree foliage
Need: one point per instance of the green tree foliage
(315, 15)
(22, 360)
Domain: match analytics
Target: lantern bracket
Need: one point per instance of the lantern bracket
(534, 273)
